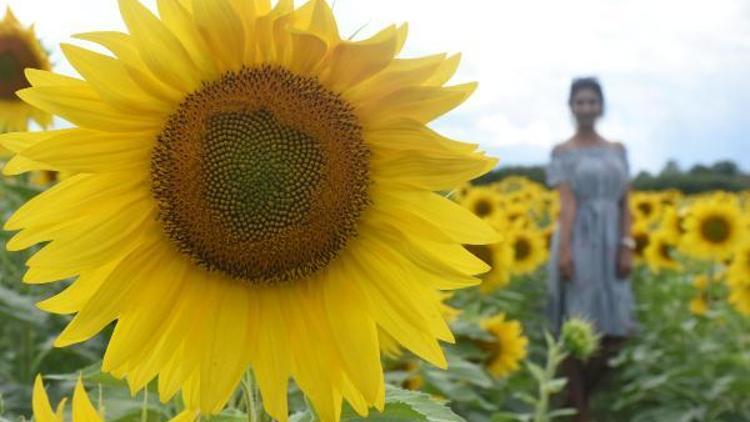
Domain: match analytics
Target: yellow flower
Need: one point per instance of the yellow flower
(739, 269)
(713, 229)
(499, 257)
(700, 282)
(529, 249)
(672, 222)
(19, 49)
(641, 235)
(508, 348)
(249, 189)
(482, 201)
(645, 206)
(699, 305)
(415, 380)
(660, 251)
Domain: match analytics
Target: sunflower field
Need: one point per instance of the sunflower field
(240, 214)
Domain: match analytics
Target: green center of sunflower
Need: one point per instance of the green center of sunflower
(261, 175)
(15, 56)
(715, 229)
(482, 208)
(521, 249)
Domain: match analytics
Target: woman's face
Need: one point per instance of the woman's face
(586, 107)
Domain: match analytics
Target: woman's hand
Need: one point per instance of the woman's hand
(565, 263)
(624, 262)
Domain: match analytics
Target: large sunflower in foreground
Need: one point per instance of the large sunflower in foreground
(250, 190)
(713, 229)
(508, 348)
(19, 49)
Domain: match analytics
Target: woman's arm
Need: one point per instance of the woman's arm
(626, 245)
(567, 218)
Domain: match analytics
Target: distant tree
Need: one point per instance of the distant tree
(670, 169)
(722, 175)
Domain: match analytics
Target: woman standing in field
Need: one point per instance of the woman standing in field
(591, 255)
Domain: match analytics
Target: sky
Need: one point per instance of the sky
(674, 71)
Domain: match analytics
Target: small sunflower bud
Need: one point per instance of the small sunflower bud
(579, 338)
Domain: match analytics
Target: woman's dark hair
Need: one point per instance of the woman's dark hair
(589, 82)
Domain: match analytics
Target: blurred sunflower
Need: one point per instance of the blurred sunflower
(19, 49)
(713, 229)
(482, 201)
(659, 253)
(698, 305)
(508, 348)
(250, 190)
(645, 206)
(529, 249)
(672, 222)
(739, 269)
(640, 233)
(499, 257)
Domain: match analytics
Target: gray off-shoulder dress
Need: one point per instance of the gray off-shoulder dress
(598, 177)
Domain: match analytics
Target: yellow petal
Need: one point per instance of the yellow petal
(83, 410)
(120, 45)
(111, 80)
(353, 62)
(158, 47)
(91, 151)
(83, 107)
(106, 304)
(40, 403)
(181, 23)
(421, 103)
(223, 31)
(447, 217)
(355, 335)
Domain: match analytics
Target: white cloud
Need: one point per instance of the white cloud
(667, 65)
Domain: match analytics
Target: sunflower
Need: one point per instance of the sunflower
(645, 206)
(739, 269)
(713, 229)
(19, 49)
(482, 201)
(659, 253)
(499, 257)
(249, 189)
(698, 305)
(508, 348)
(529, 246)
(83, 410)
(672, 222)
(641, 235)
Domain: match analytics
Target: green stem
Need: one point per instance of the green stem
(144, 408)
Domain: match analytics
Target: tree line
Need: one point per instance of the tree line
(722, 175)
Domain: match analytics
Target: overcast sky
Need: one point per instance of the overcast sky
(675, 72)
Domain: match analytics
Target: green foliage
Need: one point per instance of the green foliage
(722, 175)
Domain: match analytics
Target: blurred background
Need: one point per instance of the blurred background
(673, 71)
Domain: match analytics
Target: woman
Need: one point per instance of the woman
(592, 251)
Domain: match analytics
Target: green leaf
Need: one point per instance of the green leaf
(404, 405)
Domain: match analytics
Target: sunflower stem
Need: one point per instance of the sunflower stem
(144, 409)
